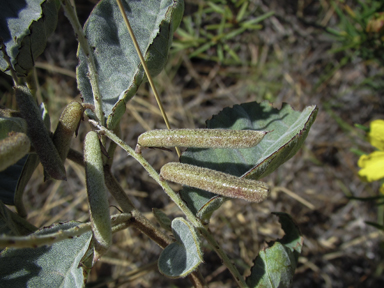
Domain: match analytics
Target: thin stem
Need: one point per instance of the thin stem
(145, 226)
(177, 200)
(70, 12)
(34, 241)
(145, 69)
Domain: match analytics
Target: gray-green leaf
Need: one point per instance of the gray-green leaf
(25, 26)
(288, 130)
(118, 66)
(181, 258)
(47, 266)
(275, 266)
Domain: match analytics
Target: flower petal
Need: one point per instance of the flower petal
(376, 134)
(373, 166)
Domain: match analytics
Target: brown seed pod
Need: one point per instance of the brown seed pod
(39, 135)
(214, 181)
(200, 138)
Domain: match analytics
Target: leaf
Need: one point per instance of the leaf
(39, 135)
(288, 130)
(182, 257)
(7, 226)
(11, 224)
(275, 266)
(9, 179)
(25, 26)
(118, 66)
(47, 266)
(162, 219)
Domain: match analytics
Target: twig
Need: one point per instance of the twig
(34, 241)
(295, 196)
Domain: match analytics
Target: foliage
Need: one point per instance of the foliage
(217, 42)
(361, 29)
(108, 75)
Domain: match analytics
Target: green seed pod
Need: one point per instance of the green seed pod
(13, 148)
(97, 195)
(68, 124)
(39, 135)
(200, 138)
(214, 181)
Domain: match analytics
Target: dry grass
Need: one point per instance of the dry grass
(290, 58)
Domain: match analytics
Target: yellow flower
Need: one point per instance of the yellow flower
(373, 164)
(376, 134)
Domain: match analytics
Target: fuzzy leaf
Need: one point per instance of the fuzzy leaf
(47, 266)
(288, 130)
(275, 266)
(25, 26)
(118, 66)
(182, 257)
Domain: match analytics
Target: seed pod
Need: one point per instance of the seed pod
(68, 124)
(13, 148)
(39, 135)
(214, 181)
(200, 138)
(97, 195)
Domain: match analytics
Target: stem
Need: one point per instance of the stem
(177, 200)
(70, 12)
(117, 192)
(145, 226)
(143, 63)
(34, 241)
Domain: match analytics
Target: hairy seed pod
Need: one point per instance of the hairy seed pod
(201, 138)
(13, 148)
(214, 181)
(68, 124)
(39, 135)
(97, 195)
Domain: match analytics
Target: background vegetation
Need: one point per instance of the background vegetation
(306, 52)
